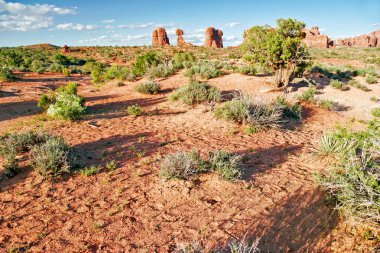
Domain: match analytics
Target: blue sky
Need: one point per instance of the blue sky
(117, 22)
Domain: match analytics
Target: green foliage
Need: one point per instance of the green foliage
(90, 171)
(196, 93)
(145, 61)
(70, 88)
(6, 75)
(374, 99)
(182, 165)
(308, 95)
(371, 79)
(148, 88)
(119, 72)
(376, 112)
(327, 104)
(289, 110)
(181, 59)
(49, 155)
(242, 109)
(358, 85)
(51, 158)
(227, 165)
(247, 70)
(66, 72)
(134, 110)
(280, 49)
(338, 85)
(353, 180)
(161, 70)
(204, 70)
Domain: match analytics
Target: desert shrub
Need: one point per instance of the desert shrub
(119, 72)
(352, 180)
(148, 88)
(374, 99)
(70, 88)
(51, 158)
(242, 109)
(134, 110)
(145, 61)
(196, 93)
(90, 171)
(67, 106)
(66, 72)
(308, 95)
(327, 104)
(6, 75)
(161, 70)
(247, 70)
(182, 165)
(181, 59)
(227, 165)
(376, 112)
(203, 70)
(358, 85)
(339, 85)
(289, 110)
(371, 79)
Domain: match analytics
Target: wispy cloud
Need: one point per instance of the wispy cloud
(71, 26)
(146, 25)
(232, 24)
(117, 39)
(375, 25)
(26, 17)
(108, 21)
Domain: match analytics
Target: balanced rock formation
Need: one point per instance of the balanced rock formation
(314, 39)
(180, 40)
(65, 49)
(159, 37)
(213, 38)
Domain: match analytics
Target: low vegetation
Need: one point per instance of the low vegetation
(358, 85)
(338, 85)
(148, 87)
(187, 165)
(6, 75)
(352, 180)
(308, 95)
(195, 93)
(134, 110)
(371, 79)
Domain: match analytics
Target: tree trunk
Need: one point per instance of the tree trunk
(284, 75)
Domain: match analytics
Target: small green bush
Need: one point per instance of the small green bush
(327, 104)
(66, 72)
(203, 70)
(148, 88)
(247, 70)
(196, 93)
(376, 112)
(51, 158)
(289, 110)
(145, 61)
(69, 88)
(134, 110)
(181, 59)
(182, 165)
(67, 106)
(6, 75)
(374, 99)
(161, 70)
(308, 95)
(90, 171)
(358, 85)
(338, 85)
(371, 79)
(227, 165)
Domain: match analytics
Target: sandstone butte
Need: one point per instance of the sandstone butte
(160, 37)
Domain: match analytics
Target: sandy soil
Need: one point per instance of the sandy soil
(132, 210)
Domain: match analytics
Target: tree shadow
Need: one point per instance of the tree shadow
(14, 110)
(118, 108)
(300, 223)
(263, 159)
(8, 94)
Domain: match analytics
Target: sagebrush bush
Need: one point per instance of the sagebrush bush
(376, 112)
(196, 93)
(6, 75)
(182, 165)
(161, 70)
(148, 88)
(358, 85)
(66, 71)
(227, 165)
(145, 61)
(289, 110)
(181, 59)
(51, 158)
(242, 109)
(67, 106)
(308, 95)
(134, 110)
(204, 70)
(338, 85)
(327, 104)
(371, 79)
(353, 180)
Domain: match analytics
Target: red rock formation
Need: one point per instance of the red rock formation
(213, 38)
(370, 40)
(159, 37)
(65, 49)
(314, 39)
(180, 40)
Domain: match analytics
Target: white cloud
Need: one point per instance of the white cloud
(108, 21)
(117, 39)
(26, 17)
(375, 25)
(232, 24)
(146, 25)
(79, 27)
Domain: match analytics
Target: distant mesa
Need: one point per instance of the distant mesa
(65, 49)
(314, 39)
(42, 46)
(365, 40)
(213, 38)
(159, 37)
(180, 40)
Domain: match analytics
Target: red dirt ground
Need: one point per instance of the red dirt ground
(131, 209)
